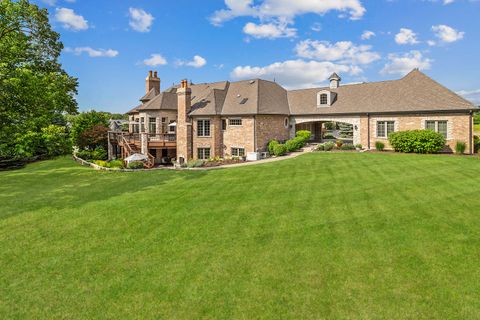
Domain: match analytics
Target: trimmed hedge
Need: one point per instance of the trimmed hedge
(417, 141)
(279, 150)
(379, 146)
(304, 134)
(271, 146)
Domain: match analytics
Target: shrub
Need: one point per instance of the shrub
(271, 146)
(321, 147)
(116, 164)
(358, 146)
(279, 150)
(460, 147)
(304, 134)
(99, 154)
(135, 165)
(417, 141)
(195, 163)
(476, 143)
(328, 135)
(328, 146)
(102, 163)
(347, 146)
(379, 146)
(84, 154)
(339, 143)
(295, 144)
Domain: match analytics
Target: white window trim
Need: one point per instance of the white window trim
(329, 99)
(436, 119)
(377, 120)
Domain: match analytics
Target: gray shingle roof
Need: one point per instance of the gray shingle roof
(414, 92)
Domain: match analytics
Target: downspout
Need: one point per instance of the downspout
(368, 130)
(254, 133)
(470, 132)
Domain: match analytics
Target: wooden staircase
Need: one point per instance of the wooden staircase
(131, 148)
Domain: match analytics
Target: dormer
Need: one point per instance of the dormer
(334, 81)
(325, 98)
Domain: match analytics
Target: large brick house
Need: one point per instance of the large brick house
(200, 121)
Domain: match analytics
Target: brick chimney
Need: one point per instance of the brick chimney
(152, 81)
(184, 125)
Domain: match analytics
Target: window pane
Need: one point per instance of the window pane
(241, 152)
(390, 127)
(442, 128)
(200, 128)
(224, 124)
(235, 122)
(206, 128)
(430, 125)
(323, 98)
(380, 129)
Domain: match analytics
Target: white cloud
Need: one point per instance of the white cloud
(197, 62)
(447, 34)
(140, 20)
(284, 9)
(70, 20)
(471, 95)
(317, 27)
(155, 60)
(295, 73)
(269, 30)
(367, 35)
(403, 64)
(406, 36)
(93, 53)
(343, 52)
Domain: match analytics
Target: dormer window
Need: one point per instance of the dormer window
(323, 98)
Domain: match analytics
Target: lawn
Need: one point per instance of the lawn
(321, 236)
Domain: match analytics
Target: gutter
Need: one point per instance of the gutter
(413, 112)
(368, 130)
(470, 133)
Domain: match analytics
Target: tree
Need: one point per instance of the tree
(89, 129)
(35, 92)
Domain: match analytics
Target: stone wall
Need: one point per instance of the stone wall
(214, 141)
(239, 136)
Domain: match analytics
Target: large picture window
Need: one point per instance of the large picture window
(440, 126)
(203, 128)
(384, 128)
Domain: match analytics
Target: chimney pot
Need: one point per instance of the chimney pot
(150, 73)
(155, 74)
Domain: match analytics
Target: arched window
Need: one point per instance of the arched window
(323, 98)
(286, 122)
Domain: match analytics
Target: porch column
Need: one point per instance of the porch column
(110, 148)
(292, 127)
(144, 143)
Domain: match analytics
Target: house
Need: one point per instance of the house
(201, 121)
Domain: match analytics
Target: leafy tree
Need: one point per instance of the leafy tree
(89, 129)
(35, 92)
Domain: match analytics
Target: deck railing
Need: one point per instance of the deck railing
(136, 138)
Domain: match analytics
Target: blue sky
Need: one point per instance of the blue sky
(111, 44)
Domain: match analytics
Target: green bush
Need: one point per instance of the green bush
(295, 144)
(102, 163)
(460, 147)
(321, 147)
(116, 164)
(417, 141)
(84, 154)
(271, 146)
(347, 146)
(279, 150)
(328, 146)
(99, 154)
(476, 143)
(380, 146)
(339, 143)
(328, 136)
(358, 146)
(195, 163)
(304, 134)
(135, 165)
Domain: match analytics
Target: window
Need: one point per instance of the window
(224, 124)
(384, 128)
(235, 122)
(437, 126)
(286, 122)
(203, 153)
(203, 128)
(238, 152)
(142, 124)
(323, 98)
(152, 125)
(164, 120)
(171, 129)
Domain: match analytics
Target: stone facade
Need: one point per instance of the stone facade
(213, 141)
(184, 124)
(270, 127)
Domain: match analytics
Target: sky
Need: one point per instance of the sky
(111, 45)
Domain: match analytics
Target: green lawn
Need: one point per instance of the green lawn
(332, 236)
